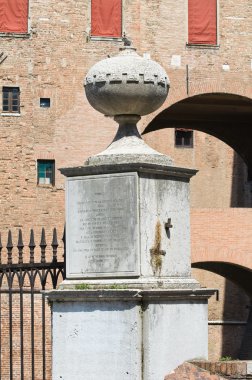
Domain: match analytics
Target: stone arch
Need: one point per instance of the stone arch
(211, 86)
(179, 93)
(215, 111)
(236, 273)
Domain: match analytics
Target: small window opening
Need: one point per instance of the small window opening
(11, 99)
(45, 102)
(46, 172)
(184, 138)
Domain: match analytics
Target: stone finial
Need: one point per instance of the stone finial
(126, 84)
(127, 87)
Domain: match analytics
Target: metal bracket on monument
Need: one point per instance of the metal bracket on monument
(168, 224)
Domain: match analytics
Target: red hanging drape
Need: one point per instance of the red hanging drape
(106, 18)
(14, 16)
(202, 22)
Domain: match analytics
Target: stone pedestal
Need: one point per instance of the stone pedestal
(126, 334)
(128, 308)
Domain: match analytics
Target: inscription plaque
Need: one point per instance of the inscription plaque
(102, 226)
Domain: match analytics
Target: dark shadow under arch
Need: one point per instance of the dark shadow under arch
(225, 116)
(242, 277)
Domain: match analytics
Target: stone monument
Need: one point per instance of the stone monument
(128, 308)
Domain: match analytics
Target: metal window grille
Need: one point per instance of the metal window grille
(184, 138)
(11, 99)
(46, 172)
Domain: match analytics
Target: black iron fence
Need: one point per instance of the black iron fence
(25, 328)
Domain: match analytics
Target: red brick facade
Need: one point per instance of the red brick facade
(51, 62)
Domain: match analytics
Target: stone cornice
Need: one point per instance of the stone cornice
(138, 295)
(139, 167)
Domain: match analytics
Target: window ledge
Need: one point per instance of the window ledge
(15, 35)
(100, 38)
(46, 186)
(202, 46)
(184, 146)
(11, 114)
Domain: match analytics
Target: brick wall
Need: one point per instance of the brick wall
(222, 235)
(232, 369)
(53, 61)
(201, 370)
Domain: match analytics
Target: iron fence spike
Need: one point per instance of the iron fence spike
(54, 239)
(32, 246)
(9, 242)
(43, 245)
(32, 241)
(55, 244)
(20, 243)
(9, 247)
(64, 242)
(20, 246)
(43, 238)
(64, 235)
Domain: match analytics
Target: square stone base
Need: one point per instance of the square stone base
(126, 334)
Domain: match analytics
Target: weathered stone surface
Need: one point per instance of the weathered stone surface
(165, 252)
(126, 84)
(102, 226)
(140, 201)
(175, 332)
(97, 341)
(107, 333)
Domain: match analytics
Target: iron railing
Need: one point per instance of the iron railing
(25, 349)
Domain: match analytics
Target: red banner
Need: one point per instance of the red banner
(13, 16)
(106, 18)
(202, 22)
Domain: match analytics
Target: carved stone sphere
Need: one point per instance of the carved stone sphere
(126, 84)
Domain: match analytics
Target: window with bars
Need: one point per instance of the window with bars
(11, 100)
(183, 138)
(202, 22)
(46, 172)
(106, 18)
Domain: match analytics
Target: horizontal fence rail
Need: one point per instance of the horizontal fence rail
(25, 335)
